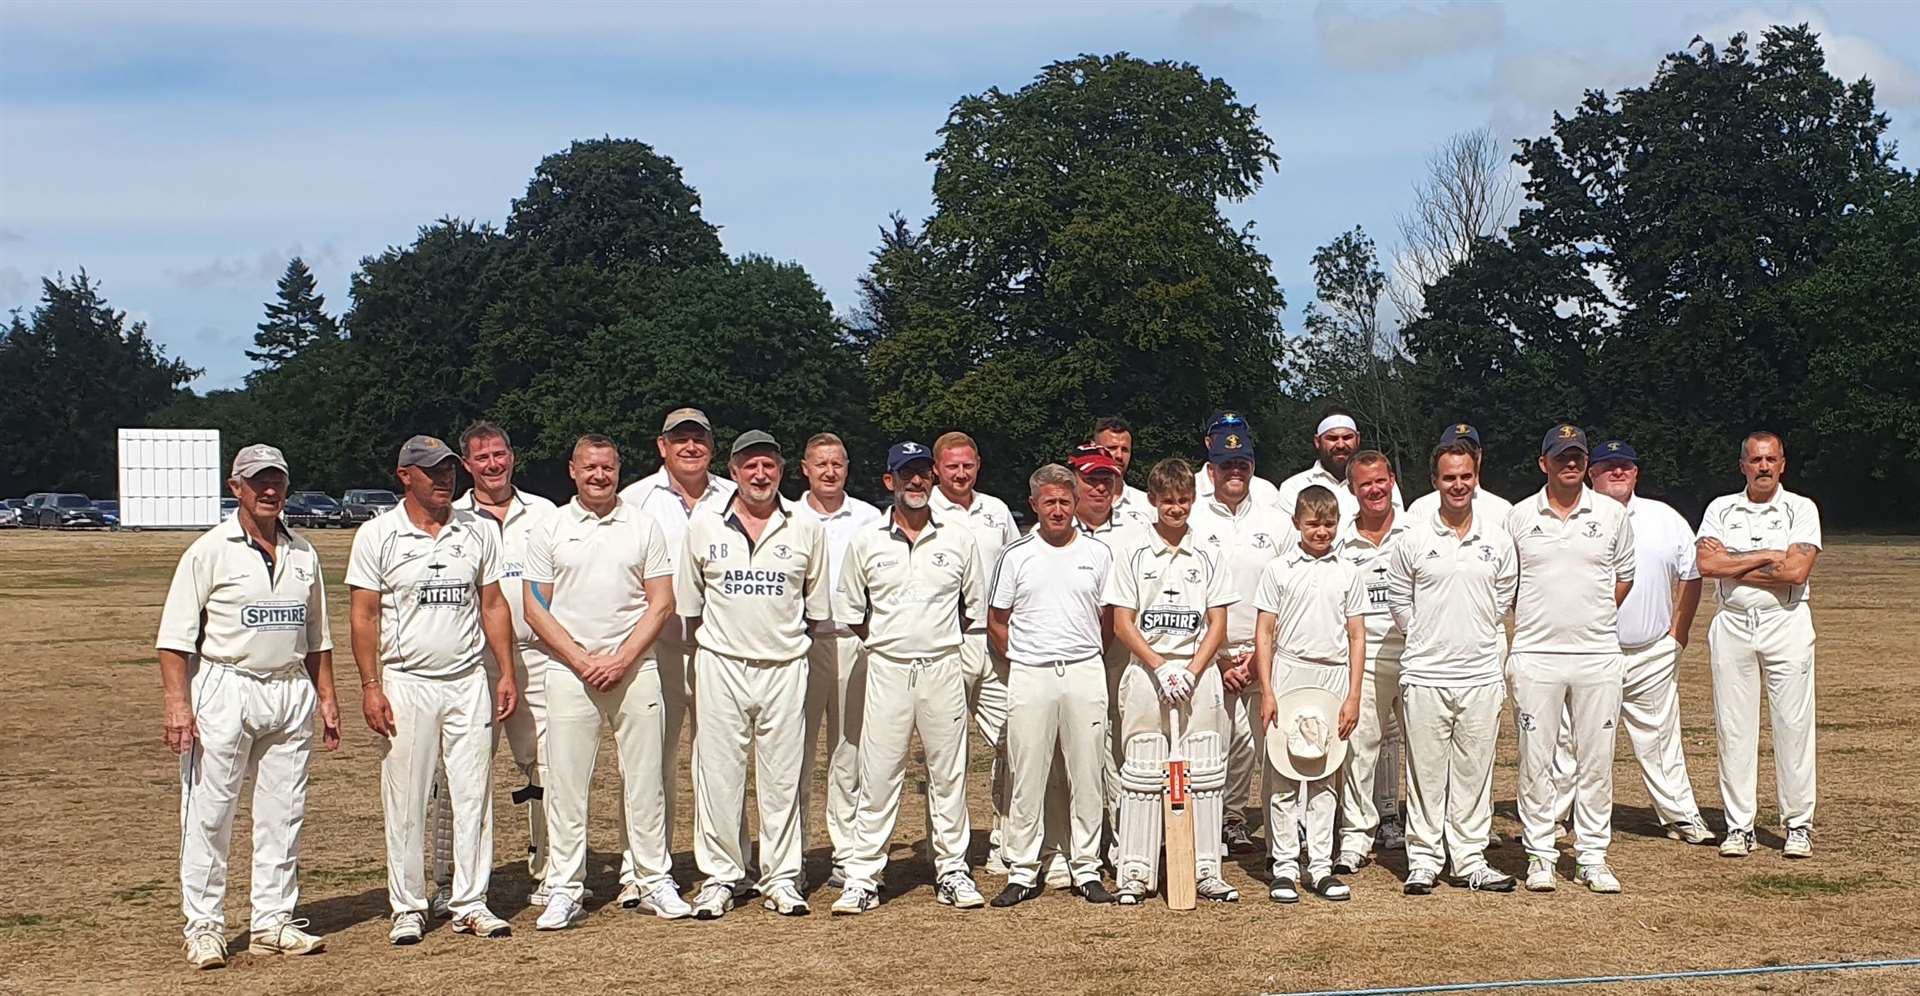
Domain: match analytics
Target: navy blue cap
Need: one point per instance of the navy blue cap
(1460, 432)
(1225, 417)
(1234, 443)
(901, 454)
(1616, 449)
(1562, 438)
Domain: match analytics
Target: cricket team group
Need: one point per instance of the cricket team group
(1214, 625)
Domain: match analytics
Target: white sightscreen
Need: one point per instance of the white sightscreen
(169, 478)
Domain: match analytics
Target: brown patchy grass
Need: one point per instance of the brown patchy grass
(90, 901)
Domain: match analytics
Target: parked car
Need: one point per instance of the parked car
(362, 504)
(10, 512)
(68, 511)
(315, 510)
(228, 506)
(109, 509)
(30, 509)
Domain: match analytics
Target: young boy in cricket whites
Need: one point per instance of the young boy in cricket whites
(1309, 644)
(1169, 595)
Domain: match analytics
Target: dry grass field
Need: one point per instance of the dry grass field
(89, 901)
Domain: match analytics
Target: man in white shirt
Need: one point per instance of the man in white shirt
(246, 663)
(1450, 582)
(1045, 618)
(834, 663)
(908, 586)
(752, 579)
(426, 609)
(956, 468)
(602, 585)
(1487, 506)
(1576, 567)
(1096, 481)
(1335, 440)
(1115, 435)
(1370, 792)
(1221, 422)
(1653, 631)
(1759, 545)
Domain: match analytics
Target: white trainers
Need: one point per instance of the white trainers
(407, 928)
(1393, 836)
(1132, 892)
(1216, 889)
(481, 923)
(664, 901)
(1690, 832)
(956, 889)
(629, 896)
(1539, 875)
(1419, 882)
(855, 900)
(284, 935)
(1738, 844)
(1597, 878)
(207, 949)
(562, 911)
(784, 899)
(1799, 842)
(1487, 879)
(441, 904)
(538, 895)
(713, 901)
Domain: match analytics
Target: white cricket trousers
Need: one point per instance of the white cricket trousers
(1450, 735)
(1060, 705)
(836, 692)
(1650, 710)
(673, 655)
(438, 721)
(1246, 743)
(575, 713)
(757, 707)
(1288, 801)
(251, 727)
(1370, 789)
(986, 684)
(1773, 648)
(1580, 692)
(927, 695)
(525, 730)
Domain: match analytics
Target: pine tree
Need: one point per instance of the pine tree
(295, 321)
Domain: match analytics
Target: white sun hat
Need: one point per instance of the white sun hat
(1304, 745)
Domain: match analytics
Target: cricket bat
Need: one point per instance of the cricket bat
(1178, 814)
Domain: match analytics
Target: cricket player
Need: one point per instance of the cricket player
(1243, 533)
(1653, 631)
(1450, 582)
(1487, 506)
(1370, 790)
(1335, 440)
(1045, 617)
(908, 587)
(752, 581)
(1311, 630)
(1262, 490)
(1169, 595)
(426, 609)
(1576, 567)
(602, 585)
(956, 468)
(1096, 480)
(836, 671)
(1759, 545)
(246, 662)
(1115, 435)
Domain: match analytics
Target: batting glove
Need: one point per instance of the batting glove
(1174, 681)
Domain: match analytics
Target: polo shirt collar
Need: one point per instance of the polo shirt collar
(1585, 506)
(888, 526)
(1159, 546)
(406, 522)
(1350, 530)
(1301, 556)
(233, 532)
(470, 503)
(782, 511)
(1236, 514)
(582, 513)
(846, 507)
(1759, 506)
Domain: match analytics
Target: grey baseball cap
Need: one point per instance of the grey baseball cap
(752, 438)
(253, 459)
(681, 416)
(424, 451)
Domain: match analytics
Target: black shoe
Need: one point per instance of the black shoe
(1015, 894)
(1237, 839)
(1093, 891)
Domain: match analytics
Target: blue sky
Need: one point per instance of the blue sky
(181, 152)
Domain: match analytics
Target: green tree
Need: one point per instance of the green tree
(610, 203)
(296, 319)
(1347, 353)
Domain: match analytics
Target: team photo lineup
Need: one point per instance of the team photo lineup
(1314, 672)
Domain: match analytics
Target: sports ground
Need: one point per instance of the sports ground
(90, 901)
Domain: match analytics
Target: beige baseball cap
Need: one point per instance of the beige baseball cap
(253, 459)
(680, 416)
(424, 451)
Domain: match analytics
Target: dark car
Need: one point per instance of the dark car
(228, 506)
(314, 510)
(362, 504)
(109, 509)
(68, 511)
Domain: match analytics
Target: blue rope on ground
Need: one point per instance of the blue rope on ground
(1595, 980)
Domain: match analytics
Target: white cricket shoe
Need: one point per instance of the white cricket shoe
(1487, 879)
(1419, 882)
(855, 900)
(1597, 878)
(441, 904)
(562, 911)
(956, 889)
(538, 895)
(1539, 875)
(1690, 832)
(784, 899)
(1738, 844)
(1799, 842)
(664, 902)
(1216, 889)
(481, 923)
(629, 896)
(207, 949)
(284, 935)
(407, 928)
(712, 901)
(1132, 892)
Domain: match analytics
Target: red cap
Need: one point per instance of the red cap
(1091, 459)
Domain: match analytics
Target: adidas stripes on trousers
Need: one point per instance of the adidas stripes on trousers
(1581, 692)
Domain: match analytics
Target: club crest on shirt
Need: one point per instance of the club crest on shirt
(1486, 553)
(783, 551)
(991, 520)
(1593, 529)
(1193, 575)
(1261, 541)
(456, 551)
(940, 558)
(302, 575)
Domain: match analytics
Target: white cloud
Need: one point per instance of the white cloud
(265, 268)
(1370, 37)
(1849, 56)
(1221, 22)
(1526, 87)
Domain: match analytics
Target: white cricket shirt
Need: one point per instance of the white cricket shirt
(595, 569)
(1451, 594)
(655, 495)
(429, 588)
(1259, 490)
(991, 523)
(526, 509)
(1487, 506)
(1743, 526)
(840, 525)
(1564, 604)
(1242, 541)
(1054, 594)
(1311, 599)
(1132, 505)
(1290, 489)
(227, 606)
(1385, 640)
(1662, 558)
(910, 594)
(755, 599)
(1168, 588)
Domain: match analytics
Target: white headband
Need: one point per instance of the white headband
(1335, 422)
